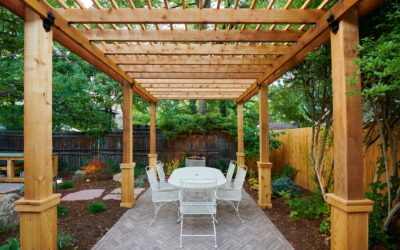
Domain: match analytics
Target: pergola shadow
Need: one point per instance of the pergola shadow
(132, 231)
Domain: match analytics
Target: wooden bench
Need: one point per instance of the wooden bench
(10, 168)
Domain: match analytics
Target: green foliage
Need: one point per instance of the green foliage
(96, 207)
(284, 184)
(171, 166)
(62, 210)
(252, 142)
(285, 194)
(222, 166)
(253, 182)
(379, 195)
(66, 185)
(139, 182)
(12, 244)
(325, 227)
(112, 167)
(289, 171)
(64, 240)
(308, 207)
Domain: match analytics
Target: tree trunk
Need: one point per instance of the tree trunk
(202, 107)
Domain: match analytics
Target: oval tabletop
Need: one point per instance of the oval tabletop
(196, 174)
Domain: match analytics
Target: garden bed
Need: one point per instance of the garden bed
(303, 233)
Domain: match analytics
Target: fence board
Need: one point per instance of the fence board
(295, 152)
(74, 149)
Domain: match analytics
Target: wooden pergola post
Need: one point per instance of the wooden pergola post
(240, 156)
(153, 135)
(349, 209)
(38, 213)
(127, 166)
(264, 165)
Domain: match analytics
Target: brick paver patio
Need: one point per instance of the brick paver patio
(132, 231)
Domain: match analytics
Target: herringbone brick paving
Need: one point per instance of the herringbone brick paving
(132, 231)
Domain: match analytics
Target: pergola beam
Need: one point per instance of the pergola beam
(196, 97)
(195, 75)
(199, 90)
(194, 68)
(79, 44)
(196, 86)
(195, 81)
(192, 16)
(309, 41)
(193, 59)
(193, 35)
(193, 49)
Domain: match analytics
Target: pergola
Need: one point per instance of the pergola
(158, 53)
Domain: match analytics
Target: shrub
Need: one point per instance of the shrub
(171, 166)
(64, 240)
(222, 166)
(253, 182)
(289, 172)
(112, 167)
(252, 173)
(12, 244)
(62, 210)
(284, 184)
(139, 183)
(96, 207)
(66, 185)
(309, 207)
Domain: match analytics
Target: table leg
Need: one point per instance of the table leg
(10, 169)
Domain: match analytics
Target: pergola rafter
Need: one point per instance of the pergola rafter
(221, 53)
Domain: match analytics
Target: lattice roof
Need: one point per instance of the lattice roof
(184, 51)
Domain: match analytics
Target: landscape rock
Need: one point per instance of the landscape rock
(117, 177)
(8, 215)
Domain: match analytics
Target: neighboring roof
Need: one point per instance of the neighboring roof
(280, 125)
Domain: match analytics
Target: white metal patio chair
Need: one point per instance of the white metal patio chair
(195, 162)
(234, 194)
(160, 195)
(229, 174)
(198, 198)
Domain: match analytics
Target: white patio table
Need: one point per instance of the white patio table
(197, 174)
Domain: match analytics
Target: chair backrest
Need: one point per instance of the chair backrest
(231, 170)
(151, 175)
(195, 162)
(160, 171)
(198, 191)
(240, 177)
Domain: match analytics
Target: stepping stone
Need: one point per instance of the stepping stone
(9, 187)
(116, 194)
(82, 195)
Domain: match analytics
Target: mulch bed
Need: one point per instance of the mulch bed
(303, 233)
(85, 228)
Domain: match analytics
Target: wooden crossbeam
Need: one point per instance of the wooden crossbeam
(196, 97)
(195, 81)
(193, 59)
(193, 49)
(150, 86)
(73, 40)
(193, 35)
(195, 75)
(194, 68)
(309, 41)
(196, 90)
(192, 16)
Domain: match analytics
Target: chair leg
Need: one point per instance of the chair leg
(180, 241)
(237, 209)
(215, 232)
(155, 214)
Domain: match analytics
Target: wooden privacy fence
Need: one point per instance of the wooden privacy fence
(295, 152)
(74, 149)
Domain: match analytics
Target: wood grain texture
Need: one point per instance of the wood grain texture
(192, 16)
(193, 49)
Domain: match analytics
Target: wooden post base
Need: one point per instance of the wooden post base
(264, 183)
(349, 219)
(152, 159)
(241, 158)
(38, 222)
(127, 184)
